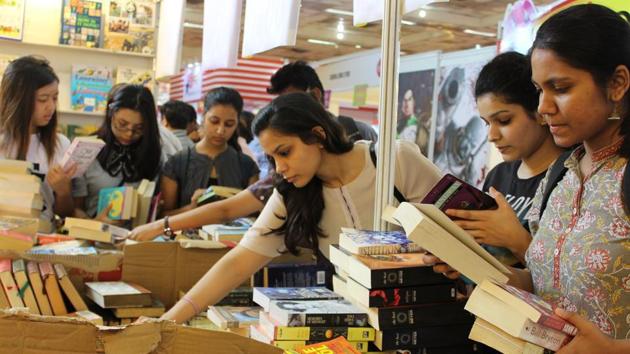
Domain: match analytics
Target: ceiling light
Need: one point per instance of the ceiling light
(422, 14)
(339, 12)
(340, 35)
(319, 41)
(408, 23)
(193, 25)
(340, 27)
(480, 33)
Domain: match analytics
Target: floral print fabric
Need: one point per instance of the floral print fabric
(579, 257)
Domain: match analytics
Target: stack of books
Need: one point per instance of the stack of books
(235, 319)
(92, 230)
(232, 231)
(294, 317)
(43, 288)
(121, 303)
(302, 274)
(129, 203)
(21, 203)
(216, 193)
(410, 306)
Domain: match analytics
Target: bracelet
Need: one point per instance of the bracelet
(168, 232)
(191, 303)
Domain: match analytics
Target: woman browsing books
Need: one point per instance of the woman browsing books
(578, 257)
(507, 102)
(327, 183)
(28, 129)
(215, 160)
(132, 149)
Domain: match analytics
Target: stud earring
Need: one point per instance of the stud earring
(615, 114)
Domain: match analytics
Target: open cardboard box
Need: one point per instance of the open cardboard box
(21, 332)
(168, 268)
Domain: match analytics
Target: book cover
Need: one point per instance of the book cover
(317, 313)
(275, 331)
(415, 337)
(264, 296)
(451, 192)
(293, 275)
(136, 76)
(38, 288)
(51, 289)
(338, 345)
(401, 296)
(233, 316)
(367, 242)
(443, 314)
(89, 86)
(130, 26)
(117, 198)
(81, 23)
(81, 153)
(12, 20)
(26, 291)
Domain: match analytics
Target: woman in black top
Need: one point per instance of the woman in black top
(507, 102)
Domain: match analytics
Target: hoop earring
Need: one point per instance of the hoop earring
(615, 114)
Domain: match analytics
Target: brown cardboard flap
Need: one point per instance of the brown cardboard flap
(194, 340)
(143, 338)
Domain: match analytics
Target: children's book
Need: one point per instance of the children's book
(121, 200)
(130, 26)
(81, 153)
(89, 86)
(136, 76)
(81, 23)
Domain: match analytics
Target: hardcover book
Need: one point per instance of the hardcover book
(81, 23)
(112, 294)
(89, 87)
(317, 313)
(367, 242)
(81, 153)
(264, 296)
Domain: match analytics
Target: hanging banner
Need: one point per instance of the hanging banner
(221, 33)
(192, 81)
(270, 24)
(366, 11)
(169, 38)
(12, 19)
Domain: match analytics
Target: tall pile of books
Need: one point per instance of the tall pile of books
(231, 232)
(92, 230)
(410, 306)
(295, 317)
(43, 288)
(121, 303)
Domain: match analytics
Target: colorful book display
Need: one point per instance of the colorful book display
(12, 20)
(89, 87)
(81, 23)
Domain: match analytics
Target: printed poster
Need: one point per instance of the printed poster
(131, 26)
(415, 105)
(89, 87)
(12, 19)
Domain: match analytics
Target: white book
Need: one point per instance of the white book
(82, 152)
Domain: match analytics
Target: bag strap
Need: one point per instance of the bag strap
(399, 196)
(556, 173)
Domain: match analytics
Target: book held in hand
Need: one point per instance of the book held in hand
(81, 153)
(452, 193)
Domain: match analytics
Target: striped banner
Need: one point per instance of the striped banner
(250, 78)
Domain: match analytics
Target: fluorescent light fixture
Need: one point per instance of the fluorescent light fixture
(319, 41)
(339, 12)
(480, 33)
(408, 23)
(193, 25)
(340, 27)
(340, 35)
(422, 14)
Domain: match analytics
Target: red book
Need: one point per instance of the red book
(338, 345)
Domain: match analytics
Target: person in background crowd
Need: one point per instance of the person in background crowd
(177, 116)
(28, 129)
(578, 256)
(327, 183)
(132, 149)
(215, 160)
(507, 102)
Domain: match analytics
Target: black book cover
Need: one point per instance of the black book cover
(413, 295)
(293, 276)
(417, 337)
(387, 278)
(423, 315)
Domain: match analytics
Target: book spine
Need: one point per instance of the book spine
(324, 333)
(389, 249)
(334, 319)
(412, 295)
(293, 276)
(544, 336)
(428, 315)
(384, 278)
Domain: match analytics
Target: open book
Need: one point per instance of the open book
(434, 231)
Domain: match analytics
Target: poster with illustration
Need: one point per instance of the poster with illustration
(461, 146)
(89, 87)
(12, 19)
(130, 26)
(81, 23)
(415, 104)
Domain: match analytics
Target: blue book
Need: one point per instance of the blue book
(368, 242)
(264, 296)
(120, 198)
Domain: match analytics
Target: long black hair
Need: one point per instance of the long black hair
(228, 97)
(22, 78)
(297, 114)
(146, 153)
(593, 38)
(509, 77)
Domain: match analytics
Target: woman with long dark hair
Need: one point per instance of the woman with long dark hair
(324, 183)
(215, 160)
(28, 128)
(132, 149)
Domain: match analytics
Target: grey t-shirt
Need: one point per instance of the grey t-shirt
(191, 170)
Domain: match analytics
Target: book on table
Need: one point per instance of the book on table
(26, 290)
(264, 296)
(233, 316)
(338, 345)
(52, 290)
(156, 309)
(216, 193)
(112, 294)
(8, 284)
(337, 312)
(368, 242)
(445, 291)
(81, 152)
(35, 280)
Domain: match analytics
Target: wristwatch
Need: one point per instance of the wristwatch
(168, 232)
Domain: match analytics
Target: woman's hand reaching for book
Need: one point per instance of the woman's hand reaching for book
(147, 232)
(498, 227)
(440, 267)
(198, 193)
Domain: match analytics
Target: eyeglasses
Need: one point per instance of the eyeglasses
(123, 128)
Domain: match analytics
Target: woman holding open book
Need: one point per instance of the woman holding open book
(578, 257)
(132, 149)
(507, 102)
(28, 129)
(215, 160)
(324, 183)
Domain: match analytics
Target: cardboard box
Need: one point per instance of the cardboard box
(22, 332)
(168, 268)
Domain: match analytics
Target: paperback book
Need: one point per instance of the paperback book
(81, 153)
(317, 313)
(89, 86)
(367, 242)
(264, 296)
(81, 23)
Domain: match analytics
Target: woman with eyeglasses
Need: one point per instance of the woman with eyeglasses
(132, 149)
(217, 159)
(28, 129)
